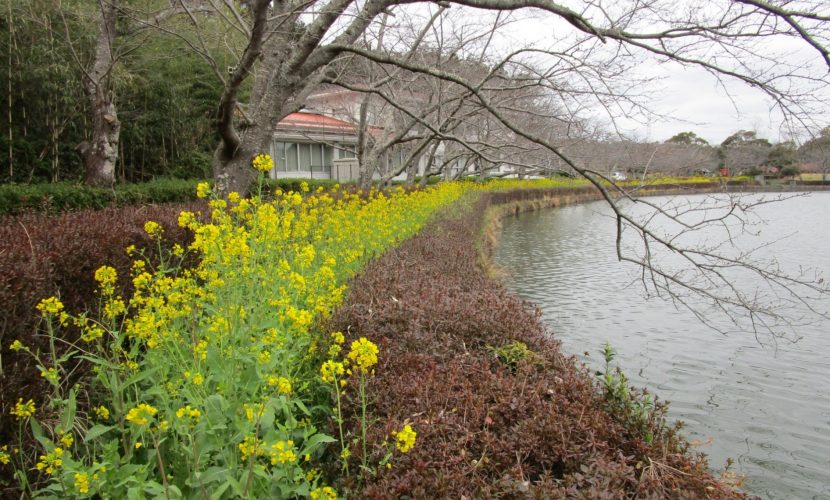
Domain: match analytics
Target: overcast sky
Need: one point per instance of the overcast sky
(691, 98)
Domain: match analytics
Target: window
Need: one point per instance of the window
(316, 157)
(328, 154)
(291, 163)
(346, 152)
(279, 156)
(303, 157)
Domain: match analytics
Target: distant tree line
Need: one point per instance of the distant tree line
(108, 90)
(166, 97)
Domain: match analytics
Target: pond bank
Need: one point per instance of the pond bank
(489, 426)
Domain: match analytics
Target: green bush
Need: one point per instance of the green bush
(289, 184)
(63, 196)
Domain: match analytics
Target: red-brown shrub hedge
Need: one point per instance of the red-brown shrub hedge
(486, 430)
(42, 256)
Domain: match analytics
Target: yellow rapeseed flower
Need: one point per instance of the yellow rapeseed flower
(202, 191)
(50, 374)
(363, 353)
(92, 333)
(82, 482)
(324, 493)
(106, 275)
(102, 412)
(263, 162)
(191, 415)
(5, 458)
(405, 439)
(282, 384)
(114, 308)
(251, 446)
(153, 228)
(17, 346)
(23, 410)
(253, 411)
(67, 439)
(331, 370)
(282, 452)
(51, 462)
(50, 306)
(141, 414)
(187, 219)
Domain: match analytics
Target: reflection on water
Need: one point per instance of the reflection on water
(766, 407)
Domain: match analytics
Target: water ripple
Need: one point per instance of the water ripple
(767, 407)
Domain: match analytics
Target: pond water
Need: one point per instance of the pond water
(764, 404)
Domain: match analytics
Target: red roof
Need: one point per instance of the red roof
(320, 123)
(313, 120)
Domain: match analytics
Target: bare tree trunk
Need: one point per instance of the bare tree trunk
(100, 153)
(10, 96)
(235, 173)
(412, 171)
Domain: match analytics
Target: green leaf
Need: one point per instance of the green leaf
(138, 377)
(302, 407)
(96, 431)
(37, 432)
(314, 441)
(220, 491)
(68, 416)
(67, 356)
(236, 486)
(267, 419)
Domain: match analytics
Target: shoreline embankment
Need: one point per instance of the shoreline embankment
(499, 410)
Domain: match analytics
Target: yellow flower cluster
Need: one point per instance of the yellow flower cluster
(405, 438)
(282, 384)
(141, 414)
(282, 452)
(82, 482)
(251, 446)
(23, 410)
(331, 371)
(363, 354)
(202, 191)
(102, 412)
(153, 229)
(263, 162)
(5, 458)
(253, 412)
(91, 333)
(50, 374)
(51, 462)
(324, 493)
(50, 306)
(191, 415)
(67, 439)
(106, 275)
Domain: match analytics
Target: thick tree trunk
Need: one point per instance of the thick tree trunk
(233, 170)
(412, 169)
(366, 169)
(236, 173)
(100, 153)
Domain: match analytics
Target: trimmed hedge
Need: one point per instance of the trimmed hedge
(45, 255)
(537, 428)
(63, 196)
(291, 184)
